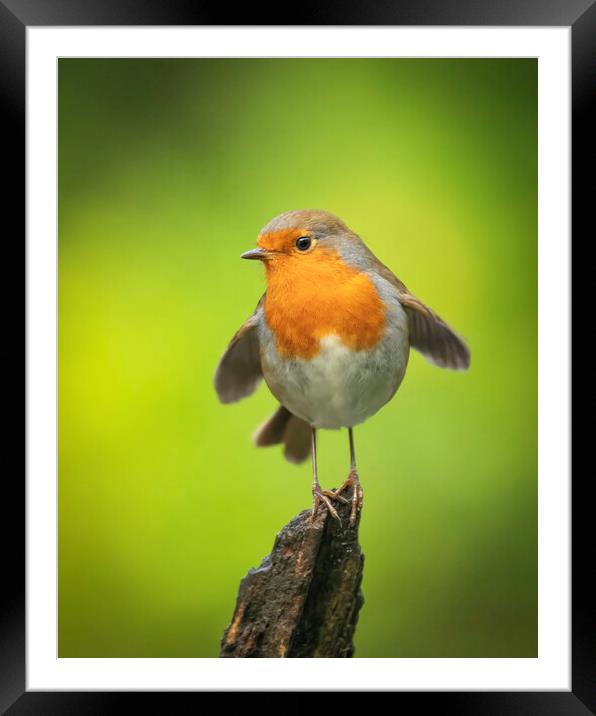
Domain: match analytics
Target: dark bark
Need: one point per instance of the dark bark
(304, 599)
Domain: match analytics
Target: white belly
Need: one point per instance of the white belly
(339, 387)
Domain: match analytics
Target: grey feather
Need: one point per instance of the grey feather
(430, 335)
(239, 371)
(284, 427)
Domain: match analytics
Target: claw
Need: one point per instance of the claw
(357, 494)
(334, 495)
(323, 496)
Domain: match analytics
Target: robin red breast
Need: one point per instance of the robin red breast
(331, 337)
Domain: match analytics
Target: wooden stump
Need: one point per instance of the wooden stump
(304, 599)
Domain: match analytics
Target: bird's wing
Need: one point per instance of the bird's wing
(239, 371)
(429, 333)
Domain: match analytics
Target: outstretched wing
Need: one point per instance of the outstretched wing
(239, 371)
(429, 333)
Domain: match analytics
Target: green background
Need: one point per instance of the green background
(167, 171)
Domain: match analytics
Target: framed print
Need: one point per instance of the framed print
(158, 142)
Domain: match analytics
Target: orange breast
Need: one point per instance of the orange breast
(316, 295)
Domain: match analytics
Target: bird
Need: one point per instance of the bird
(331, 338)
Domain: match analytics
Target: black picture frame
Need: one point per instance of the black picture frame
(15, 17)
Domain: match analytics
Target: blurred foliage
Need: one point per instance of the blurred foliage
(167, 171)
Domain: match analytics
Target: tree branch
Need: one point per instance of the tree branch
(304, 599)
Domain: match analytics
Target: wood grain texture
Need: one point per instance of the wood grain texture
(305, 597)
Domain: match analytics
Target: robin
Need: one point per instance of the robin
(331, 337)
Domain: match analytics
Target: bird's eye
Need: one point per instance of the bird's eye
(303, 243)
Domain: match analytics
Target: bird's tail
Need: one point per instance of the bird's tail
(283, 427)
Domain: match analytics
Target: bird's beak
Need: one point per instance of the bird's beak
(255, 254)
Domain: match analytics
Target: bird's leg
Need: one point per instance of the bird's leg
(352, 481)
(319, 495)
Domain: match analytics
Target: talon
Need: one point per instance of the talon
(331, 509)
(357, 494)
(333, 494)
(323, 496)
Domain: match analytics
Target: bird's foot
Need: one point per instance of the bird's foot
(324, 497)
(357, 500)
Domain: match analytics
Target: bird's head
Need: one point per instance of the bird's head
(303, 241)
